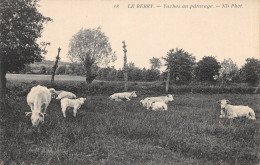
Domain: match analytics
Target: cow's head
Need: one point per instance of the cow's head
(36, 117)
(223, 104)
(143, 102)
(82, 100)
(170, 97)
(53, 93)
(149, 104)
(133, 94)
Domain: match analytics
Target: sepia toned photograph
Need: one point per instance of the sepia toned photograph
(138, 82)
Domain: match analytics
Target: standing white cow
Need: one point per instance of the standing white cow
(233, 111)
(74, 103)
(164, 99)
(65, 94)
(123, 96)
(38, 99)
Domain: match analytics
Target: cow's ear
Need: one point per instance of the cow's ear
(28, 113)
(228, 102)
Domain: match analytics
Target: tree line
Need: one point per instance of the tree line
(182, 66)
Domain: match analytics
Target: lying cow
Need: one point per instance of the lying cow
(74, 103)
(125, 96)
(156, 106)
(233, 111)
(164, 99)
(65, 94)
(38, 99)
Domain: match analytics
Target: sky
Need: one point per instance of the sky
(227, 31)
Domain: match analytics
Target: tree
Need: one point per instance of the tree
(180, 64)
(131, 65)
(228, 71)
(21, 24)
(152, 75)
(112, 74)
(75, 69)
(207, 68)
(61, 70)
(251, 71)
(134, 73)
(92, 48)
(120, 75)
(27, 69)
(42, 70)
(155, 63)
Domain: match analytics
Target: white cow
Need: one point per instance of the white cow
(123, 96)
(165, 99)
(156, 106)
(65, 94)
(38, 99)
(74, 103)
(233, 111)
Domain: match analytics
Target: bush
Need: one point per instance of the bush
(61, 70)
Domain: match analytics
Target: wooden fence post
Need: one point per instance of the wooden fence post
(125, 66)
(55, 66)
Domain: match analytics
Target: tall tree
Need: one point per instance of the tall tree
(180, 64)
(207, 68)
(155, 63)
(21, 24)
(125, 66)
(92, 48)
(251, 71)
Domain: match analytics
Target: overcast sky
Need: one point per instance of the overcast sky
(221, 32)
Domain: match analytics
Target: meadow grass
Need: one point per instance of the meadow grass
(107, 132)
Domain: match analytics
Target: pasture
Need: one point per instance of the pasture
(107, 132)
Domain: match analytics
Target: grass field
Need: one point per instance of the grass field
(106, 132)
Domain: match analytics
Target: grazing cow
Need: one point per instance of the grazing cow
(123, 96)
(233, 111)
(165, 99)
(74, 103)
(156, 106)
(65, 94)
(38, 99)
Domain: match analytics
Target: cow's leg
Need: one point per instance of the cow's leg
(117, 99)
(43, 108)
(63, 109)
(31, 106)
(75, 111)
